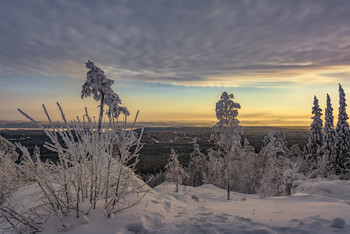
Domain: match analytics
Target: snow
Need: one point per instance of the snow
(338, 223)
(318, 206)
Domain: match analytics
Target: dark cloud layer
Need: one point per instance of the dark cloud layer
(172, 41)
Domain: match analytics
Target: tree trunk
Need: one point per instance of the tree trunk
(101, 112)
(228, 189)
(228, 176)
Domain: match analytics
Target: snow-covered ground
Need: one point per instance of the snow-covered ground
(318, 206)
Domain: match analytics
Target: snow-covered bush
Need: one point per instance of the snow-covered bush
(174, 171)
(154, 180)
(92, 165)
(10, 177)
(96, 161)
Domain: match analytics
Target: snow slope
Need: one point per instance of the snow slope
(314, 208)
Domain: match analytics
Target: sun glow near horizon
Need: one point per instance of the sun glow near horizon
(172, 60)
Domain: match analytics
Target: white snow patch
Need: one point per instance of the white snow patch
(319, 206)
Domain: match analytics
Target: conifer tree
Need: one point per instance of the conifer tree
(272, 146)
(329, 139)
(313, 147)
(343, 136)
(174, 170)
(197, 167)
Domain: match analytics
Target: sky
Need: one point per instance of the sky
(171, 60)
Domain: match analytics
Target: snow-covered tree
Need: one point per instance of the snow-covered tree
(329, 140)
(99, 86)
(228, 124)
(295, 152)
(174, 171)
(314, 145)
(216, 169)
(282, 139)
(197, 167)
(296, 155)
(226, 134)
(273, 147)
(343, 137)
(272, 182)
(247, 169)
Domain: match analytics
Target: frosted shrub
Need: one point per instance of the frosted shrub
(93, 166)
(10, 177)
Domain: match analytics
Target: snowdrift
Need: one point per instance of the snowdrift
(318, 206)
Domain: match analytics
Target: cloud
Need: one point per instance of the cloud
(195, 43)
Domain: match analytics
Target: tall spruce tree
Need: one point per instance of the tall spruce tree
(329, 139)
(343, 136)
(315, 141)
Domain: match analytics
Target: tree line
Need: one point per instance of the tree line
(234, 165)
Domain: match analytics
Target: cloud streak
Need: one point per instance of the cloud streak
(195, 43)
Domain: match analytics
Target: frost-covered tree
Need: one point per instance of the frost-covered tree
(314, 145)
(99, 86)
(295, 152)
(282, 139)
(247, 169)
(228, 124)
(197, 167)
(10, 178)
(296, 155)
(226, 112)
(272, 146)
(174, 171)
(343, 137)
(216, 169)
(272, 182)
(226, 134)
(329, 140)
